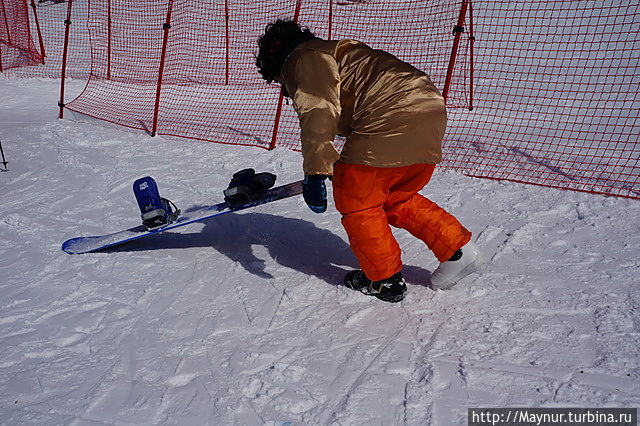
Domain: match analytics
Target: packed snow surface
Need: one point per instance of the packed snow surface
(242, 319)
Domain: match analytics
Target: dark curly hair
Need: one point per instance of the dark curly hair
(278, 41)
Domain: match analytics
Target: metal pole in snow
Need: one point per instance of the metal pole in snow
(65, 51)
(4, 161)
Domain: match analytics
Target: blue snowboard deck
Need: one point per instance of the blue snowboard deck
(90, 244)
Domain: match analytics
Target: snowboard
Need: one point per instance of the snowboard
(90, 244)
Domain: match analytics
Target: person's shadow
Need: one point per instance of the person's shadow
(293, 243)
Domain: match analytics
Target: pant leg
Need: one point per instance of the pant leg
(360, 193)
(424, 219)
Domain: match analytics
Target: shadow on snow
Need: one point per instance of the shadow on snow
(294, 243)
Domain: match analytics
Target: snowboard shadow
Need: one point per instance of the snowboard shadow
(293, 243)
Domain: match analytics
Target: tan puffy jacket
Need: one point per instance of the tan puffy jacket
(389, 111)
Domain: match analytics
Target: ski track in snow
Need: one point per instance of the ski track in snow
(241, 319)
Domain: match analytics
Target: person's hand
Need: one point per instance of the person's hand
(314, 192)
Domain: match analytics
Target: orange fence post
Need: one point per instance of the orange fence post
(276, 123)
(457, 31)
(472, 39)
(166, 26)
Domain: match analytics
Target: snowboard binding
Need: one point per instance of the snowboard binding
(156, 211)
(247, 186)
(158, 218)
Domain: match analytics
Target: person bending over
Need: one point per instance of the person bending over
(393, 119)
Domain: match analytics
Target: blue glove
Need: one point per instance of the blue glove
(314, 192)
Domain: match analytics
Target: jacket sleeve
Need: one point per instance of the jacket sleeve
(311, 78)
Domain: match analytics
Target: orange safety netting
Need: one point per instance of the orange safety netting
(543, 92)
(17, 45)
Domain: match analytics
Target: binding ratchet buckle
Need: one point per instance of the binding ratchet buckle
(164, 216)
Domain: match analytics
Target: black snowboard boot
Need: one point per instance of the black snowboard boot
(391, 289)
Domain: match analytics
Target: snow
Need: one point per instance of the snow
(242, 319)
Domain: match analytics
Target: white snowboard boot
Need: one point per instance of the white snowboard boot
(450, 272)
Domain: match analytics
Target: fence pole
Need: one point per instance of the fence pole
(276, 124)
(166, 26)
(63, 72)
(472, 40)
(6, 23)
(227, 50)
(109, 34)
(457, 31)
(4, 13)
(35, 16)
(330, 19)
(296, 14)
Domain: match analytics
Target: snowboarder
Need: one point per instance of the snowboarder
(394, 119)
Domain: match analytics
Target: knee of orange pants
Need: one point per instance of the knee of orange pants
(373, 243)
(427, 221)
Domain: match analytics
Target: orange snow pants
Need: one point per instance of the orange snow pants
(372, 198)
